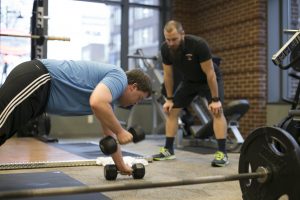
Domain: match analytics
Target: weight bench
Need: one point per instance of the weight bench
(295, 114)
(233, 112)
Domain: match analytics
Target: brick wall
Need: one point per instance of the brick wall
(236, 31)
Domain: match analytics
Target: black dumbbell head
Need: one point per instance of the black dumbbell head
(108, 145)
(110, 172)
(137, 133)
(138, 171)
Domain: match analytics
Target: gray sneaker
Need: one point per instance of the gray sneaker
(164, 154)
(220, 159)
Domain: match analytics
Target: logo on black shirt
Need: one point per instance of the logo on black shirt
(189, 56)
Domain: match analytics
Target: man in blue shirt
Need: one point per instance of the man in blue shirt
(191, 56)
(71, 88)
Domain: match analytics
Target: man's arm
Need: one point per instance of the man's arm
(169, 83)
(100, 104)
(208, 68)
(168, 79)
(117, 156)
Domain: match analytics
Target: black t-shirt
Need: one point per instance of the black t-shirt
(193, 51)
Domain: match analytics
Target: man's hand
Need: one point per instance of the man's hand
(124, 137)
(125, 170)
(168, 105)
(215, 108)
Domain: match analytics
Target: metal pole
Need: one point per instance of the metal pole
(37, 37)
(290, 31)
(261, 173)
(142, 57)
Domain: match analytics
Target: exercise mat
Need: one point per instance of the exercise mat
(87, 150)
(41, 180)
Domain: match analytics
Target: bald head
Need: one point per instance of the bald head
(174, 34)
(173, 25)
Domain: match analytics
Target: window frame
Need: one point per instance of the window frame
(279, 81)
(164, 15)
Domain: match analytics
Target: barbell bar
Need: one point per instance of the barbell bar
(46, 37)
(261, 175)
(143, 57)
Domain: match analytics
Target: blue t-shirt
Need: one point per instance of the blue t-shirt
(72, 83)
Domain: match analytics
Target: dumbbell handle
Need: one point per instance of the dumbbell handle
(137, 133)
(135, 138)
(138, 171)
(109, 144)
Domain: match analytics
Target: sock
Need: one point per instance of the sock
(222, 145)
(169, 144)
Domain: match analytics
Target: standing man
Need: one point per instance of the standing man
(71, 88)
(192, 57)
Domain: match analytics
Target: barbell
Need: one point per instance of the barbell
(46, 37)
(143, 57)
(261, 173)
(269, 168)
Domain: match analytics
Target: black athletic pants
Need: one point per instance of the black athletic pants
(23, 96)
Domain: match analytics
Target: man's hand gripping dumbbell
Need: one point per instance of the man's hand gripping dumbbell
(111, 171)
(109, 146)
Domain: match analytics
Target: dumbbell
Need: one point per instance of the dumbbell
(109, 145)
(111, 171)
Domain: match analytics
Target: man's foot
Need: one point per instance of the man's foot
(220, 159)
(164, 154)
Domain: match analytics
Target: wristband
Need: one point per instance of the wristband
(215, 99)
(170, 98)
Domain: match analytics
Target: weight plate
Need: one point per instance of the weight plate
(276, 150)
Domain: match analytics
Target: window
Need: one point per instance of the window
(89, 27)
(14, 19)
(145, 2)
(142, 13)
(101, 30)
(144, 31)
(143, 37)
(116, 16)
(287, 16)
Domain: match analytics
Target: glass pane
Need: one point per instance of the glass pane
(115, 36)
(294, 20)
(89, 26)
(146, 2)
(14, 19)
(143, 31)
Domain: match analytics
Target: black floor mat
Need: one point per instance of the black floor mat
(87, 150)
(45, 180)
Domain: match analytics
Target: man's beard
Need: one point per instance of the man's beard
(175, 52)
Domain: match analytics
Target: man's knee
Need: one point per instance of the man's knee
(174, 113)
(219, 117)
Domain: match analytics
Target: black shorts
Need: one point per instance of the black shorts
(23, 96)
(187, 91)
